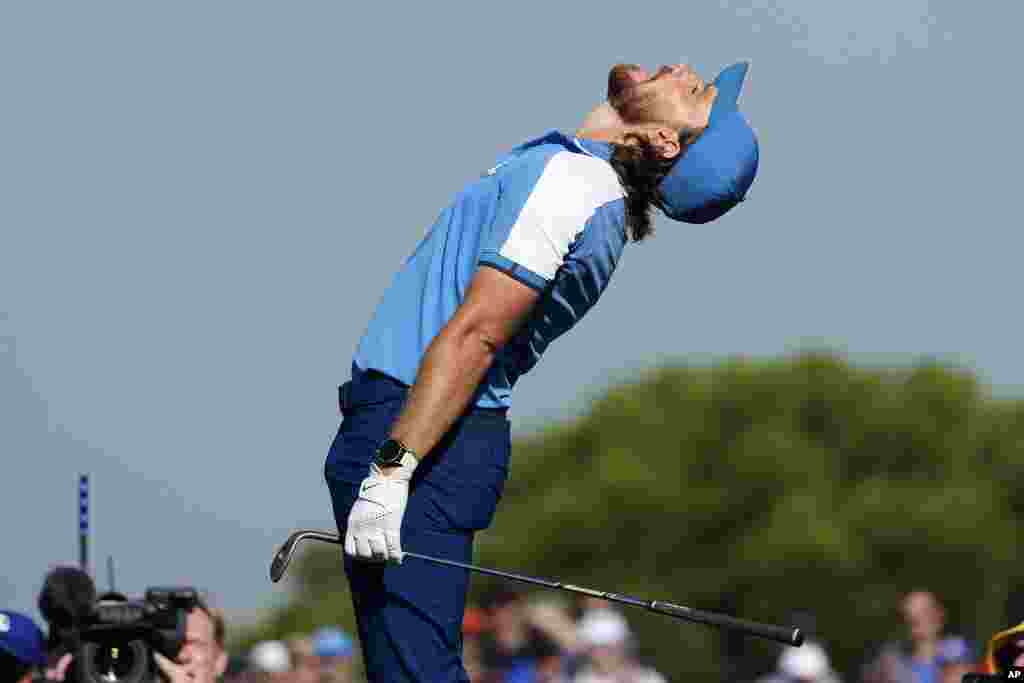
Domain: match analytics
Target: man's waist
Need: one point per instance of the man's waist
(372, 387)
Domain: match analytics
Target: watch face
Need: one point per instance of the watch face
(389, 453)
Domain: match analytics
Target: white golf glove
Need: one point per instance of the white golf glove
(375, 521)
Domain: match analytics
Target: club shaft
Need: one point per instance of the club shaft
(782, 634)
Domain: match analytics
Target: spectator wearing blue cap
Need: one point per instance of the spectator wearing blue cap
(22, 647)
(333, 649)
(513, 262)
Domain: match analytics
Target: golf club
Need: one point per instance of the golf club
(783, 634)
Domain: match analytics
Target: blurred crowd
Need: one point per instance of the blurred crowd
(325, 656)
(514, 637)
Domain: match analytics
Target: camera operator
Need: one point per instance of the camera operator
(21, 648)
(113, 636)
(203, 659)
(64, 601)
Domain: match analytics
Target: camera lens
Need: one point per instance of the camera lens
(114, 662)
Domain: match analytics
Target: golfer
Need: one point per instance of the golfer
(518, 257)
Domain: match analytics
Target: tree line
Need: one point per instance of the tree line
(800, 489)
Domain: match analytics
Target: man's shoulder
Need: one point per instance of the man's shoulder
(593, 179)
(557, 153)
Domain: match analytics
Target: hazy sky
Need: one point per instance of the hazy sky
(201, 203)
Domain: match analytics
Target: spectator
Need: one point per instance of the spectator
(474, 625)
(556, 641)
(606, 642)
(203, 658)
(333, 649)
(808, 663)
(552, 618)
(67, 595)
(552, 664)
(270, 660)
(507, 646)
(22, 648)
(305, 664)
(916, 659)
(956, 658)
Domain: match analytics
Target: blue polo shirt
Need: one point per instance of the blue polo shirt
(550, 213)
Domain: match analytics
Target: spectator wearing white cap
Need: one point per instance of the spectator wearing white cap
(270, 660)
(606, 642)
(808, 663)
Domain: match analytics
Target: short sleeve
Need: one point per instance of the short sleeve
(541, 211)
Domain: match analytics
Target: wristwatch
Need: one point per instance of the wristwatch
(392, 452)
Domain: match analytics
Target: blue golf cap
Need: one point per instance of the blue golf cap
(715, 172)
(331, 642)
(21, 638)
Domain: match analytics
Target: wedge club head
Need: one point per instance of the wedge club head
(284, 555)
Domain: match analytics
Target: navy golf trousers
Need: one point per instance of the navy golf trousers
(410, 615)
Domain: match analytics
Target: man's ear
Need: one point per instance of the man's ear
(666, 141)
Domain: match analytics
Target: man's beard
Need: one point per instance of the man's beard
(622, 77)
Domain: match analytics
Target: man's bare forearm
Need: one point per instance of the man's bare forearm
(452, 369)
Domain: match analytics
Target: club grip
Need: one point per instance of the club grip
(783, 634)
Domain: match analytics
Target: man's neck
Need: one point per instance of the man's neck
(613, 135)
(601, 118)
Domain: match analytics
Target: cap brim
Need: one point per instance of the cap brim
(729, 84)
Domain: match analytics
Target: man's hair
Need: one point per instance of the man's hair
(12, 669)
(640, 171)
(65, 600)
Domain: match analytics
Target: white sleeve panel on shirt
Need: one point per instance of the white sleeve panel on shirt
(569, 191)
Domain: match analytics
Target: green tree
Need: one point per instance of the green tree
(759, 487)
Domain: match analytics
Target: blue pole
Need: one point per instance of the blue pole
(83, 522)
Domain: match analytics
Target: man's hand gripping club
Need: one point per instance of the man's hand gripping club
(375, 521)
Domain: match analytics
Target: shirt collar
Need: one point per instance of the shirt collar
(601, 150)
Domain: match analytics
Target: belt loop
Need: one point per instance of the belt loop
(345, 397)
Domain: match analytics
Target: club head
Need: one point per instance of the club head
(284, 555)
